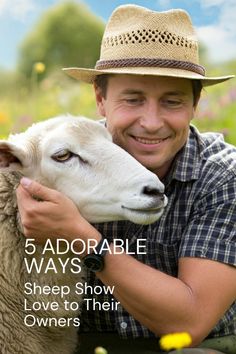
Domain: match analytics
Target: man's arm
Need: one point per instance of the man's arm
(193, 302)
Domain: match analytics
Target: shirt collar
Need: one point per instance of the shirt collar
(187, 163)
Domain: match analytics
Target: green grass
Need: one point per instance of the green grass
(217, 110)
(58, 94)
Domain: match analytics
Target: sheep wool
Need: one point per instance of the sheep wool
(15, 336)
(77, 157)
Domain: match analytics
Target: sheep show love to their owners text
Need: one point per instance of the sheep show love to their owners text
(60, 257)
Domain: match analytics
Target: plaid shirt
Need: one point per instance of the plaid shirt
(199, 221)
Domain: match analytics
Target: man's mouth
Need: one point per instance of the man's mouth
(148, 141)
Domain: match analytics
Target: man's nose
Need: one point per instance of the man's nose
(152, 117)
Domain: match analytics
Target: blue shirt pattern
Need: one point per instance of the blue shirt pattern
(199, 221)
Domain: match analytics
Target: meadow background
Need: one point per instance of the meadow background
(38, 89)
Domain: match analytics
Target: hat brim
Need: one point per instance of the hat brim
(89, 75)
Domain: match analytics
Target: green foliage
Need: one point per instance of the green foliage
(66, 35)
(230, 67)
(10, 81)
(56, 94)
(69, 35)
(217, 110)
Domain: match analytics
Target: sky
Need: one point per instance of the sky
(214, 20)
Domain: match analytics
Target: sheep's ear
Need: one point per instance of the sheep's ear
(12, 157)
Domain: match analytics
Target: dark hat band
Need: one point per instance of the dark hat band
(149, 62)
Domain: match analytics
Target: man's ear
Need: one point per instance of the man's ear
(12, 157)
(99, 100)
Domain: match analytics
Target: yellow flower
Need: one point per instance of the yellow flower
(4, 117)
(39, 67)
(175, 341)
(100, 350)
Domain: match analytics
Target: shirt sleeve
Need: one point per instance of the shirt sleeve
(211, 230)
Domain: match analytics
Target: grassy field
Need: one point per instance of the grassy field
(217, 110)
(21, 106)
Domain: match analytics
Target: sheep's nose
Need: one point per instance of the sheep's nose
(153, 192)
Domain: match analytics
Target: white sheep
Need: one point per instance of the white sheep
(77, 157)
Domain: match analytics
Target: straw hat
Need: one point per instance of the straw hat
(144, 42)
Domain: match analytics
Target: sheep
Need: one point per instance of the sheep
(76, 156)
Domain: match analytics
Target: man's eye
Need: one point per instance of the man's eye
(134, 101)
(172, 103)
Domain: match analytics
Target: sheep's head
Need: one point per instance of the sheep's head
(77, 157)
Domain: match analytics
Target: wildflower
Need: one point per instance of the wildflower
(100, 350)
(4, 118)
(39, 67)
(175, 341)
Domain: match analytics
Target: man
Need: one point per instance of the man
(147, 85)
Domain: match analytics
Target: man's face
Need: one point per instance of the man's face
(148, 117)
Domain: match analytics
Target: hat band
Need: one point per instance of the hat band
(150, 62)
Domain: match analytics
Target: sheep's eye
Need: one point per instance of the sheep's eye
(62, 156)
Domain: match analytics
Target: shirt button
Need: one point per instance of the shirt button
(123, 325)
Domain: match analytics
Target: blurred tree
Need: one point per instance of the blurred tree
(66, 35)
(10, 81)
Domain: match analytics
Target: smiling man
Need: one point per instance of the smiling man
(147, 117)
(147, 85)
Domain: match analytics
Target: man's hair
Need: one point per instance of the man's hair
(197, 89)
(101, 81)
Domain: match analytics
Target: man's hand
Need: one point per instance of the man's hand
(47, 213)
